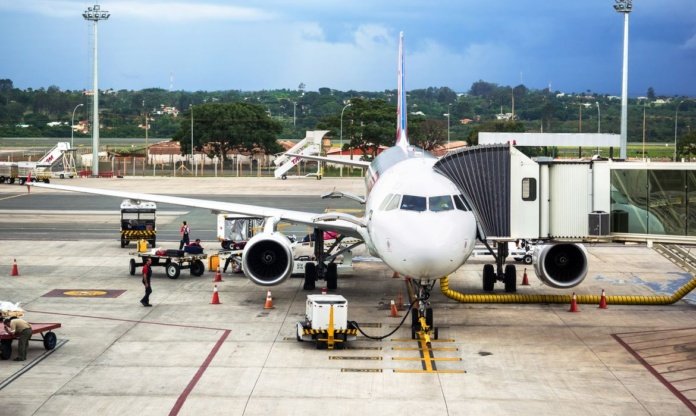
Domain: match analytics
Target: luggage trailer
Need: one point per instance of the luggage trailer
(48, 337)
(173, 263)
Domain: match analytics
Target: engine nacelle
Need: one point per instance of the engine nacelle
(560, 265)
(268, 259)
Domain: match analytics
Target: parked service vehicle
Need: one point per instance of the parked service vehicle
(138, 222)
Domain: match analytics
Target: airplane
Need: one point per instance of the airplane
(416, 220)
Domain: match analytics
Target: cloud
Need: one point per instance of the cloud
(690, 44)
(168, 11)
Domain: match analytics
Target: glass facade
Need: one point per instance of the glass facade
(653, 202)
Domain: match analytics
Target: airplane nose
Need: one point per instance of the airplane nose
(428, 249)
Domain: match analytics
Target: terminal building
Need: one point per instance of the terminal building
(518, 197)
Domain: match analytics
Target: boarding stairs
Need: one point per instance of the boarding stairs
(58, 161)
(309, 146)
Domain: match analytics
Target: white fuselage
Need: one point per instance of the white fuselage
(410, 225)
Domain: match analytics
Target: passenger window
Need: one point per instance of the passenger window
(440, 203)
(393, 203)
(413, 203)
(460, 204)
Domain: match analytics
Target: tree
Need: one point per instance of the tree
(229, 126)
(428, 134)
(651, 93)
(686, 145)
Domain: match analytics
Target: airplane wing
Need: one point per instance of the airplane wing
(346, 224)
(356, 163)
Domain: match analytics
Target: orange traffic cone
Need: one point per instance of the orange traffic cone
(603, 301)
(216, 297)
(15, 269)
(574, 304)
(269, 301)
(218, 275)
(393, 313)
(525, 281)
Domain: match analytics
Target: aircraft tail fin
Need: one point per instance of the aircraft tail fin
(401, 110)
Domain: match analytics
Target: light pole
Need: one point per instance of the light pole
(624, 7)
(676, 114)
(72, 126)
(449, 111)
(191, 107)
(341, 136)
(599, 118)
(95, 14)
(294, 113)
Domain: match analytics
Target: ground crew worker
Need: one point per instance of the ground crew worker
(147, 268)
(22, 329)
(185, 230)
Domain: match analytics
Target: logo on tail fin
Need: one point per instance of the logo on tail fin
(401, 110)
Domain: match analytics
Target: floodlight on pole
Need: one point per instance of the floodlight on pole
(95, 14)
(191, 107)
(72, 126)
(341, 135)
(625, 7)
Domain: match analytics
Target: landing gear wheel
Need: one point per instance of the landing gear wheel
(510, 279)
(429, 317)
(172, 270)
(197, 268)
(310, 276)
(332, 276)
(527, 259)
(49, 340)
(488, 277)
(132, 267)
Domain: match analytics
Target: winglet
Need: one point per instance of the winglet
(401, 110)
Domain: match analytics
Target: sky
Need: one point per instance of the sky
(572, 46)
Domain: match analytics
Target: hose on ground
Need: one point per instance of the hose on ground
(357, 326)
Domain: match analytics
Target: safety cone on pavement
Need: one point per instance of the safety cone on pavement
(525, 281)
(218, 275)
(393, 312)
(15, 269)
(574, 304)
(269, 301)
(603, 301)
(216, 297)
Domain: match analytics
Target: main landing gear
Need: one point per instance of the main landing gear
(492, 275)
(325, 267)
(422, 324)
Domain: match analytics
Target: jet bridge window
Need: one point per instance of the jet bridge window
(441, 203)
(528, 189)
(413, 203)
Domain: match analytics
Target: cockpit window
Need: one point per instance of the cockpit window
(384, 203)
(460, 204)
(413, 203)
(392, 203)
(441, 203)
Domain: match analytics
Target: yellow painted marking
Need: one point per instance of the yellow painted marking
(85, 293)
(427, 362)
(345, 357)
(366, 348)
(432, 371)
(361, 370)
(418, 349)
(426, 358)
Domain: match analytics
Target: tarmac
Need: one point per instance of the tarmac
(190, 357)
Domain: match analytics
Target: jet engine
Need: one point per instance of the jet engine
(268, 259)
(560, 265)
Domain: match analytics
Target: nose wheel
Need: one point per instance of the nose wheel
(422, 317)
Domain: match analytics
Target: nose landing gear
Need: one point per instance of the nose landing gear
(422, 326)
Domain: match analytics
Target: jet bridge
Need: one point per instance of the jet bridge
(516, 197)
